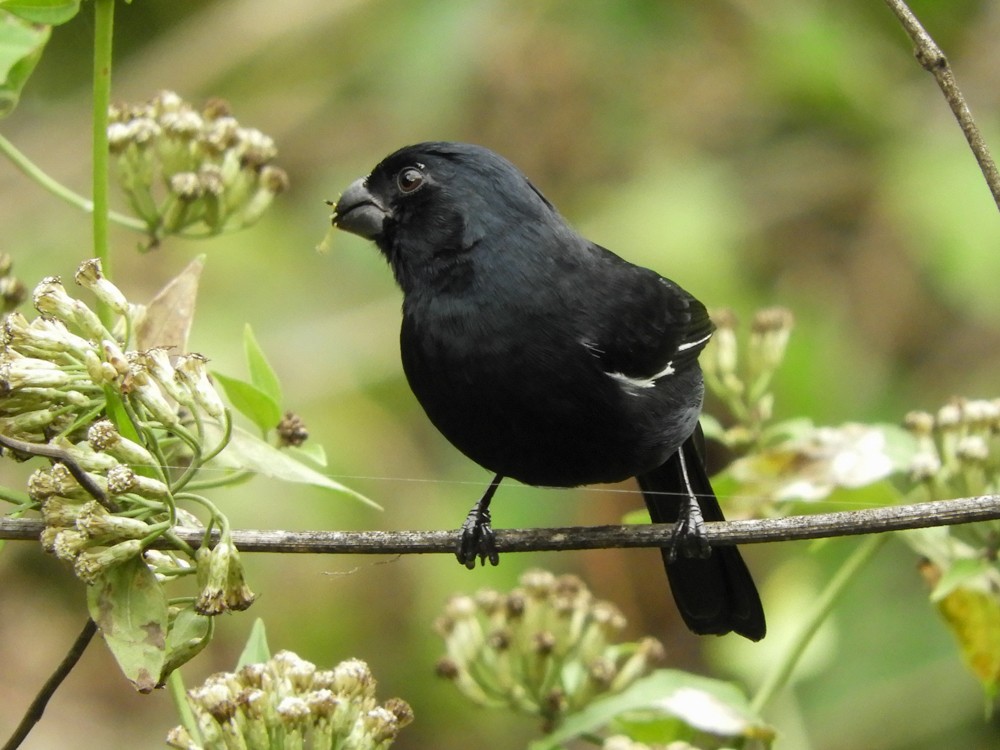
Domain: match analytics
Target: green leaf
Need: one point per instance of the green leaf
(250, 401)
(256, 649)
(262, 374)
(666, 705)
(52, 12)
(246, 451)
(963, 572)
(311, 451)
(21, 45)
(130, 608)
(189, 633)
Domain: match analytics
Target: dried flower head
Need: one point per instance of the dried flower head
(192, 172)
(547, 648)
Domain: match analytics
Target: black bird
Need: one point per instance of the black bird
(547, 358)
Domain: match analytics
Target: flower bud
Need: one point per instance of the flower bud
(225, 587)
(179, 739)
(103, 436)
(380, 725)
(181, 123)
(29, 372)
(12, 293)
(90, 276)
(122, 479)
(353, 678)
(292, 430)
(256, 149)
(920, 423)
(193, 372)
(220, 134)
(924, 466)
(57, 480)
(62, 511)
(139, 386)
(115, 357)
(41, 335)
(949, 417)
(97, 523)
(186, 186)
(100, 372)
(972, 449)
(50, 298)
(157, 363)
(91, 564)
(69, 543)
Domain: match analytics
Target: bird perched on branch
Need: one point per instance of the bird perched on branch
(549, 359)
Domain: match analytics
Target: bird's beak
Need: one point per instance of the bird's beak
(359, 212)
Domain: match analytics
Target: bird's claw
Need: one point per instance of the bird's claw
(688, 537)
(476, 540)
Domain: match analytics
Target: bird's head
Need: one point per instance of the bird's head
(428, 207)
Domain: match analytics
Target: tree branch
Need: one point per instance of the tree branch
(37, 707)
(930, 56)
(819, 525)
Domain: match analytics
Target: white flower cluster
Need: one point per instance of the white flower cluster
(740, 374)
(189, 172)
(288, 702)
(106, 496)
(55, 369)
(545, 649)
(957, 448)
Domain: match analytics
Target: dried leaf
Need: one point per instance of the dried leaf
(168, 317)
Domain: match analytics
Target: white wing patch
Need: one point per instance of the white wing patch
(687, 345)
(636, 383)
(643, 382)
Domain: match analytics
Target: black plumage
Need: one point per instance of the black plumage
(547, 358)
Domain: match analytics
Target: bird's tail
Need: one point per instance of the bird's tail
(714, 594)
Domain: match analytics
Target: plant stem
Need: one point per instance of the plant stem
(175, 685)
(15, 497)
(32, 170)
(104, 17)
(821, 608)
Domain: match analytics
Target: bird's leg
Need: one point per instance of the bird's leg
(476, 538)
(688, 535)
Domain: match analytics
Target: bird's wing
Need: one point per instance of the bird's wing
(643, 327)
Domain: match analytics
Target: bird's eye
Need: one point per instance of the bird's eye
(409, 179)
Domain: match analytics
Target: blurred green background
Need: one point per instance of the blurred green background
(756, 152)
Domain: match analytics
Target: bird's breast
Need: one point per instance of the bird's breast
(518, 392)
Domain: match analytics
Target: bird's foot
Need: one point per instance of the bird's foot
(476, 539)
(688, 536)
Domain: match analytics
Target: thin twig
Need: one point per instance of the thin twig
(930, 56)
(63, 457)
(842, 523)
(37, 707)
